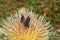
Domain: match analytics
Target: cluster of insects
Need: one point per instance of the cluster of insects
(25, 21)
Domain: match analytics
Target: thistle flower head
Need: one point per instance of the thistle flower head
(24, 25)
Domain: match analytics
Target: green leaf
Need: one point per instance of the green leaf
(58, 16)
(31, 3)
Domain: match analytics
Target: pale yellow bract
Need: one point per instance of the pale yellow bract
(15, 30)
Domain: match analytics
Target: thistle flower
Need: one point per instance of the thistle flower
(25, 25)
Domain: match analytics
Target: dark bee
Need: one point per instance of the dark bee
(22, 18)
(27, 21)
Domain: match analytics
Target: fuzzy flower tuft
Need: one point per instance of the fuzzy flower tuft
(24, 25)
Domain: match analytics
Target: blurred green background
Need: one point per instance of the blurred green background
(48, 8)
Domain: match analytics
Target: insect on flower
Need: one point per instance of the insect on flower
(27, 21)
(22, 18)
(25, 26)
